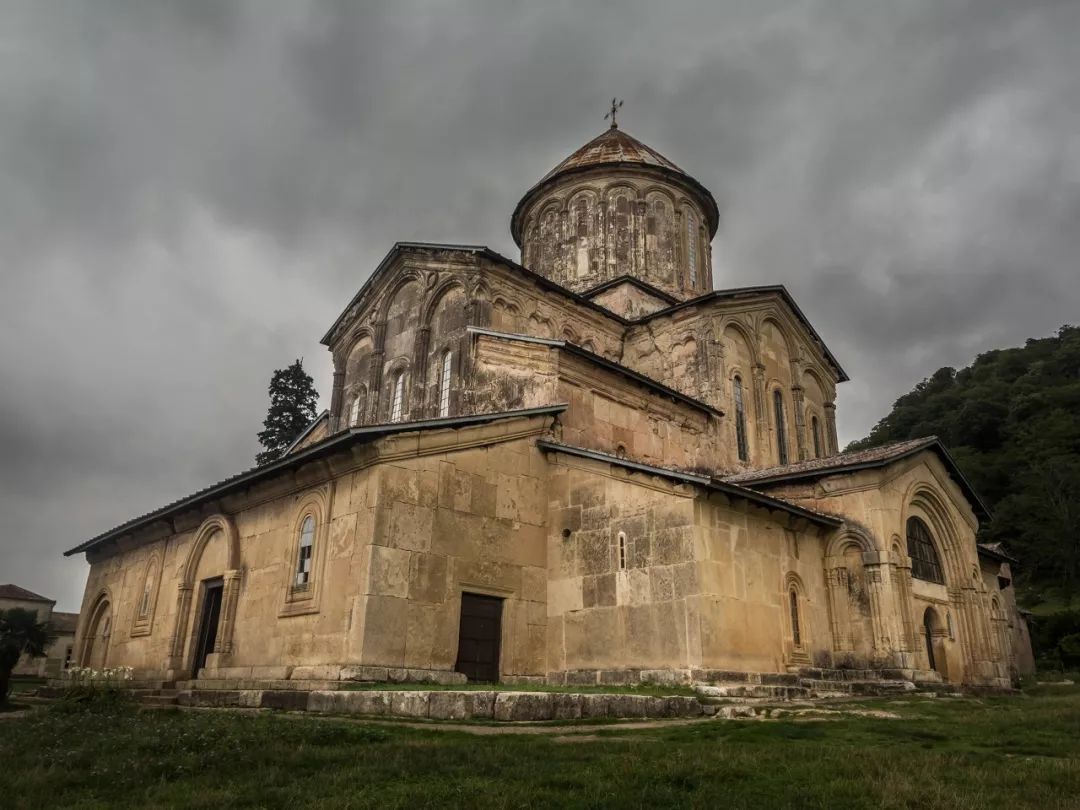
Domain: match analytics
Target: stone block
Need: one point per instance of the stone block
(376, 674)
(619, 677)
(480, 705)
(448, 706)
(368, 703)
(390, 571)
(524, 706)
(409, 703)
(327, 702)
(286, 699)
(250, 698)
(322, 672)
(566, 707)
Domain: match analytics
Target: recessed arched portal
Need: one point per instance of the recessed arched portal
(95, 651)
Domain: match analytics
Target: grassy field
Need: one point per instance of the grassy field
(970, 753)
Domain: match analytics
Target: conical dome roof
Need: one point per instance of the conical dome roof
(613, 146)
(616, 149)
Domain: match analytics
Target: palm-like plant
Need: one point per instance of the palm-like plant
(20, 632)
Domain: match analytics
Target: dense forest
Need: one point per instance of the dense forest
(1012, 421)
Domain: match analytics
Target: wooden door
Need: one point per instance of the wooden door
(479, 637)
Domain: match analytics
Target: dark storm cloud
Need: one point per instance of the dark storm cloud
(190, 192)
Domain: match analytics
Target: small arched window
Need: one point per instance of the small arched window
(740, 420)
(691, 246)
(622, 551)
(796, 630)
(581, 216)
(397, 400)
(781, 427)
(444, 383)
(144, 603)
(815, 432)
(925, 564)
(357, 410)
(303, 554)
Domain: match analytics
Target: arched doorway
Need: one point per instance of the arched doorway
(932, 630)
(98, 632)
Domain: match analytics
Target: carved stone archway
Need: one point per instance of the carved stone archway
(181, 653)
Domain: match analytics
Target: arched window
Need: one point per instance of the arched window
(144, 603)
(357, 411)
(691, 246)
(303, 555)
(397, 401)
(581, 215)
(815, 431)
(444, 383)
(925, 564)
(796, 630)
(781, 427)
(622, 551)
(740, 420)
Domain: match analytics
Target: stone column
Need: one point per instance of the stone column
(830, 425)
(376, 373)
(637, 232)
(177, 639)
(227, 622)
(760, 412)
(836, 579)
(339, 417)
(800, 420)
(875, 588)
(902, 571)
(418, 392)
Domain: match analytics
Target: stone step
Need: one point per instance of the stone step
(157, 700)
(752, 690)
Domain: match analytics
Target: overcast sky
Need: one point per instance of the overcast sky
(191, 191)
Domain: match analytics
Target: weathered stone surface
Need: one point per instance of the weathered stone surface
(524, 706)
(289, 699)
(409, 703)
(448, 706)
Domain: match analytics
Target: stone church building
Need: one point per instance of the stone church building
(591, 466)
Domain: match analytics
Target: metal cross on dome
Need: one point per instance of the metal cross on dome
(615, 105)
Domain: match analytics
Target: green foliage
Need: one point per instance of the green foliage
(20, 632)
(1012, 421)
(1016, 752)
(292, 408)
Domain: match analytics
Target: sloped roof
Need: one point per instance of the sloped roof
(10, 591)
(338, 441)
(325, 415)
(860, 460)
(707, 482)
(642, 285)
(612, 146)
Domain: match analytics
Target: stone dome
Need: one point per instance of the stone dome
(617, 207)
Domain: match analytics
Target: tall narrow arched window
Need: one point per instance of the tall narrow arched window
(815, 431)
(691, 246)
(781, 427)
(303, 554)
(581, 216)
(144, 603)
(740, 420)
(796, 630)
(397, 400)
(622, 551)
(444, 383)
(925, 564)
(356, 413)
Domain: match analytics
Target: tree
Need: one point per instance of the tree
(292, 408)
(20, 632)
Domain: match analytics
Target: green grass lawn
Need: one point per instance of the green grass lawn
(970, 753)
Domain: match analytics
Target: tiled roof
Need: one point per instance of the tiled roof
(10, 591)
(64, 622)
(861, 460)
(874, 455)
(613, 146)
(326, 446)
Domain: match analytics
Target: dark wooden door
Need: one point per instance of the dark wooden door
(478, 640)
(208, 623)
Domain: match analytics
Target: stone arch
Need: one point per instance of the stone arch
(923, 502)
(146, 596)
(934, 632)
(438, 295)
(97, 633)
(798, 630)
(406, 277)
(851, 558)
(304, 597)
(182, 653)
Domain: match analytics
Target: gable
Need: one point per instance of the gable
(630, 298)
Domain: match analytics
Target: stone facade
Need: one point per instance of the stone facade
(637, 476)
(61, 625)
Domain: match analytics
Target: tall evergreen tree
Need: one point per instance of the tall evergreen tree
(292, 408)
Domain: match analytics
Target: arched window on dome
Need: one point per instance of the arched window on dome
(622, 230)
(740, 420)
(815, 432)
(925, 564)
(781, 427)
(581, 216)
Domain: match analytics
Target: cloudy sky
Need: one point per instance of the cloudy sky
(191, 191)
